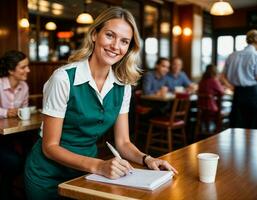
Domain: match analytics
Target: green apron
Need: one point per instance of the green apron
(86, 120)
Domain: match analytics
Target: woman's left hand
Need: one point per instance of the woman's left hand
(158, 164)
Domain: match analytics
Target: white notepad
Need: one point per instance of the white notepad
(140, 178)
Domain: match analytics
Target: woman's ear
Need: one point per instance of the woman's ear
(10, 72)
(94, 36)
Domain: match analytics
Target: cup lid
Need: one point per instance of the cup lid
(208, 156)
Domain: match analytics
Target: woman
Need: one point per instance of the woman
(82, 100)
(210, 86)
(14, 94)
(209, 93)
(14, 91)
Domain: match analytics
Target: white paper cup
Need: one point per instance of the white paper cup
(207, 163)
(24, 113)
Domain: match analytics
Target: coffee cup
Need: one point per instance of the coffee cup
(24, 113)
(207, 163)
(179, 89)
(164, 90)
(33, 109)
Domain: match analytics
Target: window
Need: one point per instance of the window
(151, 50)
(240, 42)
(225, 47)
(151, 15)
(206, 52)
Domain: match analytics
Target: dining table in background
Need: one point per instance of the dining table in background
(236, 174)
(16, 125)
(154, 97)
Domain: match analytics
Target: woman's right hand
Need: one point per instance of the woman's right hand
(12, 112)
(114, 168)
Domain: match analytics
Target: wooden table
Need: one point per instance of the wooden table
(153, 97)
(15, 125)
(236, 176)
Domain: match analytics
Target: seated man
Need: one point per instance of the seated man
(178, 78)
(156, 82)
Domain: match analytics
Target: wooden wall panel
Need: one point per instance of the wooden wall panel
(185, 42)
(23, 33)
(11, 35)
(40, 72)
(8, 25)
(239, 19)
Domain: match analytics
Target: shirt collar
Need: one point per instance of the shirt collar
(7, 85)
(83, 74)
(250, 48)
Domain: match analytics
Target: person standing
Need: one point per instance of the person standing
(241, 71)
(81, 101)
(14, 93)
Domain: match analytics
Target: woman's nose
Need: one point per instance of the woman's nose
(115, 44)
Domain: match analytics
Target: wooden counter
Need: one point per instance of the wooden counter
(236, 175)
(15, 125)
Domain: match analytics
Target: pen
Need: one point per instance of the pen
(115, 152)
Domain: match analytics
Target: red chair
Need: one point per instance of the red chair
(162, 140)
(207, 117)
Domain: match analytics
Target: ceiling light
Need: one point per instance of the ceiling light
(221, 8)
(85, 18)
(176, 30)
(165, 27)
(187, 31)
(51, 26)
(57, 12)
(24, 23)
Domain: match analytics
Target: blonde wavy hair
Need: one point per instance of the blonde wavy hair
(127, 69)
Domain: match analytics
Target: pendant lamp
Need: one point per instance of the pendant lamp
(221, 8)
(85, 17)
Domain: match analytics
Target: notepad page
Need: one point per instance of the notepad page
(140, 178)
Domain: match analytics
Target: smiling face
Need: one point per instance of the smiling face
(20, 73)
(163, 68)
(176, 66)
(112, 42)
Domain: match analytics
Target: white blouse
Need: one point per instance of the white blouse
(57, 88)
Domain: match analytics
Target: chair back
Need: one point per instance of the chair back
(208, 110)
(138, 94)
(208, 102)
(180, 108)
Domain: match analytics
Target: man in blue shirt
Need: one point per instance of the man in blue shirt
(157, 82)
(241, 71)
(178, 77)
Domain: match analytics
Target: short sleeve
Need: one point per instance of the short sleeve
(126, 100)
(56, 94)
(186, 81)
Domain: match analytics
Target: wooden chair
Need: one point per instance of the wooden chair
(205, 117)
(140, 110)
(162, 141)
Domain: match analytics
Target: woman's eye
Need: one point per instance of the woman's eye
(109, 35)
(125, 42)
